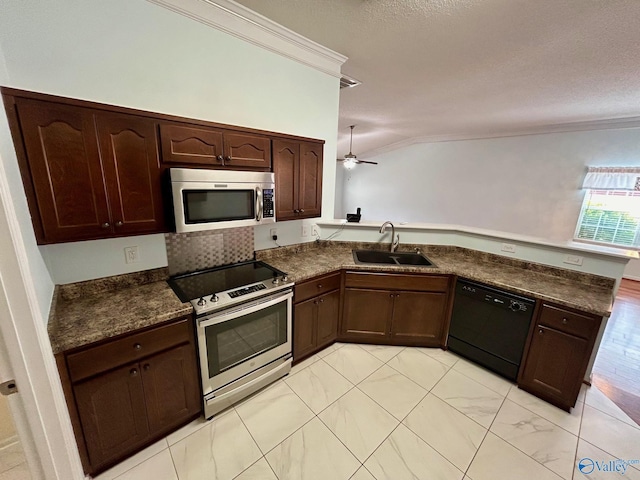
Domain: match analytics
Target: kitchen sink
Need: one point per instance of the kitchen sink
(381, 257)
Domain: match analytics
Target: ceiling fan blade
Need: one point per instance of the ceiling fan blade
(366, 161)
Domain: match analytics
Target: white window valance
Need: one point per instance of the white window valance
(612, 178)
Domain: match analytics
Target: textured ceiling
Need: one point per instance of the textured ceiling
(472, 68)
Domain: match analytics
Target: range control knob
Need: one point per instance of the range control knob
(515, 306)
(202, 302)
(285, 278)
(214, 298)
(275, 281)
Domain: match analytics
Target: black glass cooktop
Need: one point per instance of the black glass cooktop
(191, 286)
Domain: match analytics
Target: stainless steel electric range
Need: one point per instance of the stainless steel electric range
(243, 320)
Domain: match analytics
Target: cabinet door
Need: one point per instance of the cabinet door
(191, 145)
(132, 173)
(327, 320)
(555, 365)
(113, 415)
(310, 180)
(247, 151)
(418, 318)
(304, 329)
(65, 169)
(286, 157)
(171, 389)
(366, 314)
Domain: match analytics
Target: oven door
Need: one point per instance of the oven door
(238, 341)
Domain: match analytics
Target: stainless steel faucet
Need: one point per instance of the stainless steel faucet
(395, 239)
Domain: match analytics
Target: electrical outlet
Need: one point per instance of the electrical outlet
(305, 230)
(508, 247)
(573, 260)
(315, 231)
(131, 254)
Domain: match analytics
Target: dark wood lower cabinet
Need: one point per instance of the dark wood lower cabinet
(418, 318)
(170, 388)
(555, 363)
(366, 314)
(113, 413)
(396, 309)
(316, 314)
(149, 388)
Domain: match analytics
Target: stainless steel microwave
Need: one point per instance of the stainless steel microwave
(210, 199)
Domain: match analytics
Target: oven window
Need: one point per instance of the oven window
(240, 339)
(202, 206)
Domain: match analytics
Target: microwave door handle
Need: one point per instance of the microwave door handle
(259, 204)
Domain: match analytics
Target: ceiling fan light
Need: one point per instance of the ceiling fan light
(349, 163)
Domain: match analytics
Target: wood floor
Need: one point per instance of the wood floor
(616, 371)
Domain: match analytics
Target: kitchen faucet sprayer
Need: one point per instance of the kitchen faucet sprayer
(395, 239)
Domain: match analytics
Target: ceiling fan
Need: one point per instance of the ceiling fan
(350, 160)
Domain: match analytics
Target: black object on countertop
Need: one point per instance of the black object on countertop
(354, 217)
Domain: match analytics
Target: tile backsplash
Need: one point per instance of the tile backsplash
(188, 252)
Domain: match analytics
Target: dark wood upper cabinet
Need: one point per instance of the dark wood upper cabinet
(94, 171)
(247, 151)
(132, 173)
(191, 145)
(298, 171)
(188, 144)
(286, 164)
(310, 180)
(89, 174)
(65, 171)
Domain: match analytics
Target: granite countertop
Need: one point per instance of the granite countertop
(91, 311)
(585, 292)
(88, 312)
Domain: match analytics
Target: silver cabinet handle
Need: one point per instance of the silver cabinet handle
(133, 372)
(564, 321)
(105, 225)
(119, 223)
(228, 158)
(540, 331)
(137, 346)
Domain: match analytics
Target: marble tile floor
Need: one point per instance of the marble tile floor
(13, 465)
(364, 412)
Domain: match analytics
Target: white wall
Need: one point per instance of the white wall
(137, 54)
(528, 185)
(42, 281)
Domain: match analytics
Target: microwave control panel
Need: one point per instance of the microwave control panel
(267, 203)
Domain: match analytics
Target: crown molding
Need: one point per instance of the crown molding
(245, 24)
(609, 124)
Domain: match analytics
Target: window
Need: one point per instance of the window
(611, 217)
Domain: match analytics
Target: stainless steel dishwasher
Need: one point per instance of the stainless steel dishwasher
(490, 326)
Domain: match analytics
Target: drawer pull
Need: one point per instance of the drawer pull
(319, 285)
(146, 367)
(105, 225)
(540, 331)
(134, 372)
(564, 321)
(322, 300)
(137, 346)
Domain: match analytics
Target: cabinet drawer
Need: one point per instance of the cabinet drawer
(569, 322)
(318, 286)
(118, 352)
(393, 281)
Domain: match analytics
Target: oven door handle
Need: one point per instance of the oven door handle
(227, 315)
